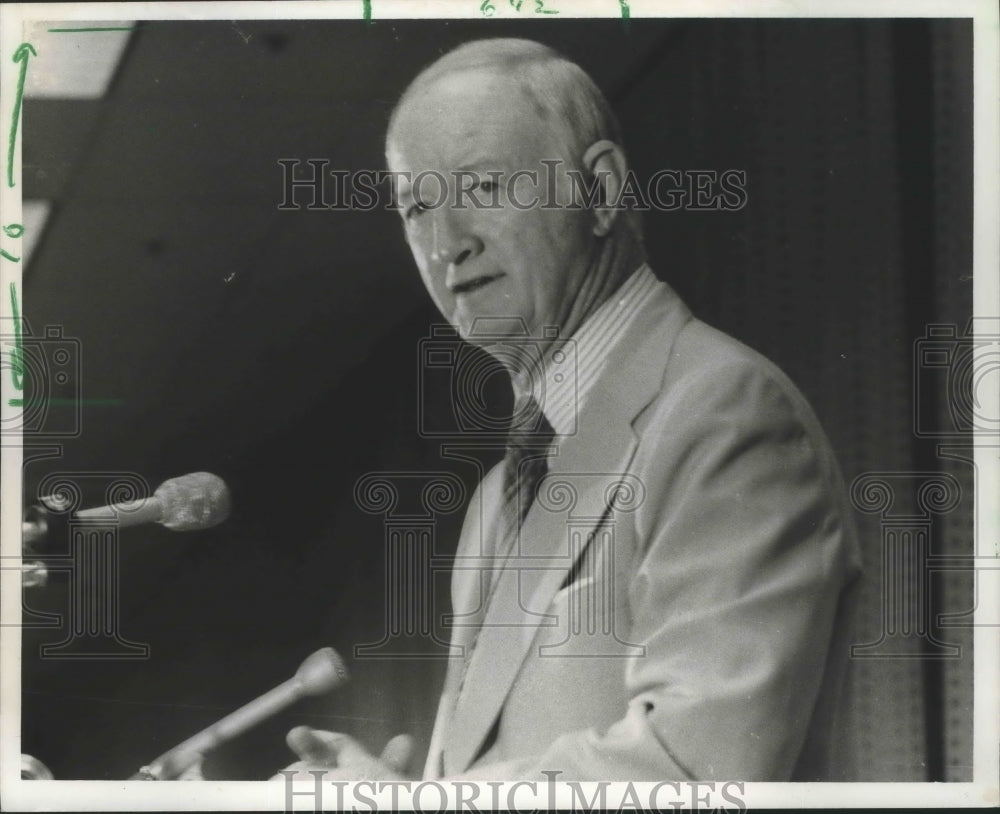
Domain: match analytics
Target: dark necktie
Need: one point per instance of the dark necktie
(526, 460)
(525, 463)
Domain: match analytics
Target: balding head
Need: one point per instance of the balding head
(561, 93)
(497, 123)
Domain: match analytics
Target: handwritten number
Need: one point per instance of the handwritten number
(16, 355)
(488, 9)
(20, 55)
(12, 230)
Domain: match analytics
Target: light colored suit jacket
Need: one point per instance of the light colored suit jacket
(677, 607)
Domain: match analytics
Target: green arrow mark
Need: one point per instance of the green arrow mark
(20, 55)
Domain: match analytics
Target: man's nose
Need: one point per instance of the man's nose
(452, 241)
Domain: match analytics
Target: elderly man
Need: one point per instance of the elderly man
(681, 615)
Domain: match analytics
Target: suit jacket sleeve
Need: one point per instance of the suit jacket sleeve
(746, 546)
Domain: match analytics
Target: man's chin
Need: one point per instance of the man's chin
(485, 330)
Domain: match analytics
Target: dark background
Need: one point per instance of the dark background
(281, 349)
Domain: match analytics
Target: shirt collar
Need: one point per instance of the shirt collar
(572, 366)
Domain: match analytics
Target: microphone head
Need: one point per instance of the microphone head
(195, 501)
(321, 672)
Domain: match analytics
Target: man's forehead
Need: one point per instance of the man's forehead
(478, 84)
(463, 115)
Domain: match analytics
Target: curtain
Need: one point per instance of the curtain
(854, 240)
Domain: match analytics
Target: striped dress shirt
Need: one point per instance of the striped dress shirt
(573, 366)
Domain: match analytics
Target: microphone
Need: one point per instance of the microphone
(320, 673)
(198, 500)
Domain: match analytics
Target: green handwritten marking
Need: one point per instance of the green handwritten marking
(12, 230)
(16, 355)
(20, 55)
(60, 402)
(488, 9)
(366, 6)
(75, 30)
(626, 14)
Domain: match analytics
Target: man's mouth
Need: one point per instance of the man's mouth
(468, 286)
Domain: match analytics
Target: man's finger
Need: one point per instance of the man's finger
(300, 768)
(398, 753)
(315, 745)
(352, 754)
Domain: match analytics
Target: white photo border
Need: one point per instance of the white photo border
(18, 795)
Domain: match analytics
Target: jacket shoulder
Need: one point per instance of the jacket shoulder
(706, 368)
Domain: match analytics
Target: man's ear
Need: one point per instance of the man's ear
(605, 161)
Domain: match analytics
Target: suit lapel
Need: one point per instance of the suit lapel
(574, 497)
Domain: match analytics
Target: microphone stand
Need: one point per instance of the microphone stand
(320, 673)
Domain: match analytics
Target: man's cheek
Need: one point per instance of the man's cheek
(442, 297)
(524, 192)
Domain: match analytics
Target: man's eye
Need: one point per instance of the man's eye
(487, 185)
(414, 209)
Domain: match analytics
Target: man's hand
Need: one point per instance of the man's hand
(343, 758)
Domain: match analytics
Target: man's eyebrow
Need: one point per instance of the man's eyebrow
(480, 164)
